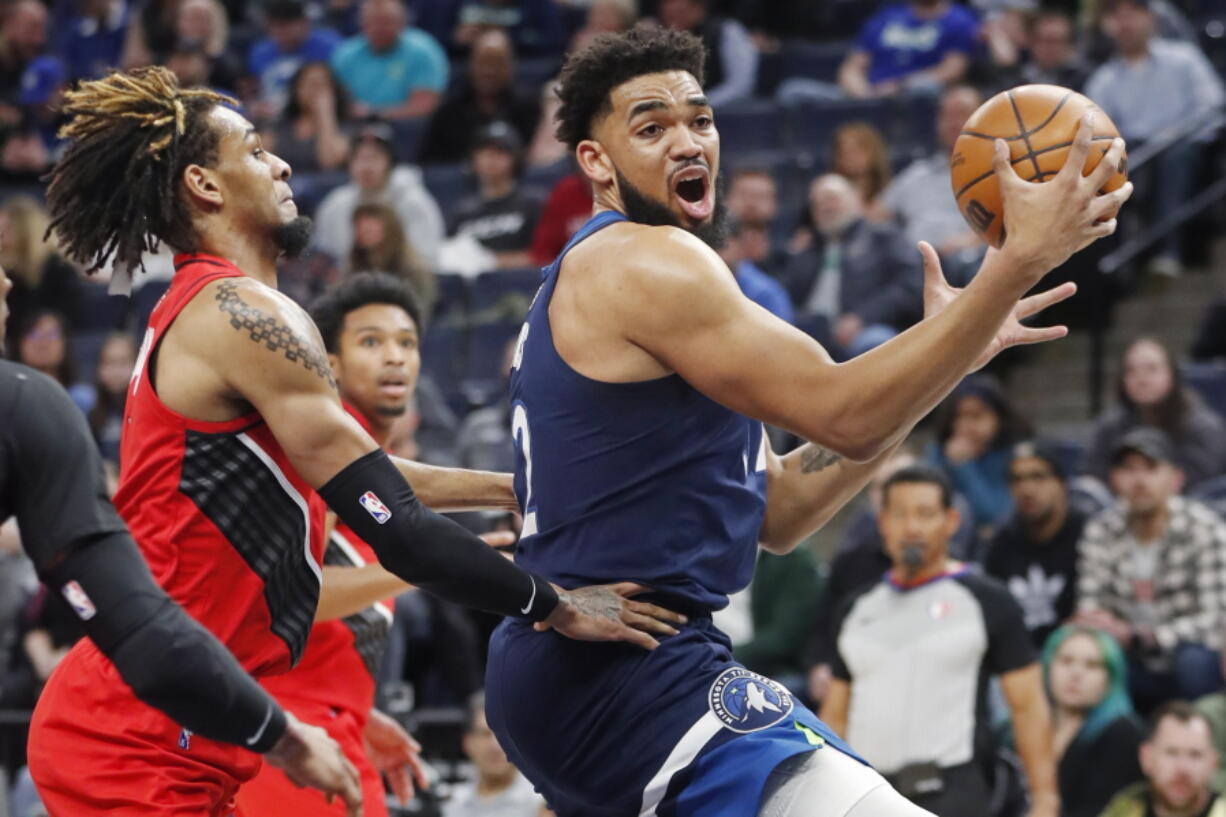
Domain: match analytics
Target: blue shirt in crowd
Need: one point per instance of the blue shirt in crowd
(276, 68)
(383, 80)
(899, 43)
(764, 290)
(91, 47)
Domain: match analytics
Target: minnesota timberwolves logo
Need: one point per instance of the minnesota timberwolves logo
(746, 702)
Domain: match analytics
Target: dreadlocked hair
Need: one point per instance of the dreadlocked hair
(115, 192)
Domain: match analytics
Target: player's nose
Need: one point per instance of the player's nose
(684, 145)
(281, 170)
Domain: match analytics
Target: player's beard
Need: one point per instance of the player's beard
(641, 209)
(294, 236)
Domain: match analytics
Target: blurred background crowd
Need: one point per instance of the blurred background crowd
(1088, 479)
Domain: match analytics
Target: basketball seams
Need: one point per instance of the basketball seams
(1022, 132)
(1021, 127)
(1043, 174)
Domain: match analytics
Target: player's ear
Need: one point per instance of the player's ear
(202, 186)
(594, 162)
(334, 362)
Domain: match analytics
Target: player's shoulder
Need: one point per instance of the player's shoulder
(241, 317)
(646, 254)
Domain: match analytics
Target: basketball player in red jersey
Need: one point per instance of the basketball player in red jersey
(231, 420)
(370, 327)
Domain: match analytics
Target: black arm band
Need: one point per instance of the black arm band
(428, 550)
(171, 662)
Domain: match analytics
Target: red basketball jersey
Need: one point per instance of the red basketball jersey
(341, 661)
(227, 526)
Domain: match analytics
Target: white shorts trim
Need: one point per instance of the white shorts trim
(683, 754)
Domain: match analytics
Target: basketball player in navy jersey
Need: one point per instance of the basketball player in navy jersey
(640, 385)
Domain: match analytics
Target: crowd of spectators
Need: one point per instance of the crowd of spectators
(1087, 575)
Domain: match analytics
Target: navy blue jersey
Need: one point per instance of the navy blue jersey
(649, 481)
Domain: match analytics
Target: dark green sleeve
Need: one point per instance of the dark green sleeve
(785, 591)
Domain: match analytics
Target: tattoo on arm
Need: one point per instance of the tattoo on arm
(814, 458)
(266, 329)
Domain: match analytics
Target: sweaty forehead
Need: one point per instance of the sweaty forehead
(669, 87)
(231, 126)
(383, 317)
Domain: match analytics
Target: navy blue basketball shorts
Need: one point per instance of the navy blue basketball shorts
(613, 730)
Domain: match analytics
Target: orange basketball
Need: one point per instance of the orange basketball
(1038, 122)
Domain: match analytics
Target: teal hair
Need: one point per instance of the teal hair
(1115, 703)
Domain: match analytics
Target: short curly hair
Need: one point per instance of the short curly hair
(589, 76)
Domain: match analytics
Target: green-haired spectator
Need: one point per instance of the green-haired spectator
(1096, 732)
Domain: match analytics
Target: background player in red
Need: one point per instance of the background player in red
(232, 419)
(370, 325)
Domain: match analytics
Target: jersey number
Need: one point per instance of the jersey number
(523, 439)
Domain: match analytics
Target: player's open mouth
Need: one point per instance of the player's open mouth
(692, 187)
(394, 388)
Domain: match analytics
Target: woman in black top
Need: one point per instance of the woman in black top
(1097, 734)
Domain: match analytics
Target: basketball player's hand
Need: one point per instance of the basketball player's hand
(309, 757)
(605, 613)
(393, 752)
(1048, 222)
(938, 294)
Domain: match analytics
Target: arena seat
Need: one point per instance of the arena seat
(531, 73)
(449, 184)
(1209, 380)
(85, 348)
(144, 299)
(1212, 493)
(508, 291)
(487, 344)
(810, 60)
(452, 300)
(310, 188)
(408, 135)
(749, 126)
(809, 127)
(99, 311)
(442, 352)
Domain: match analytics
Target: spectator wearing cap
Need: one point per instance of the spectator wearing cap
(1152, 573)
(502, 215)
(291, 43)
(758, 287)
(23, 36)
(90, 36)
(1151, 392)
(1153, 89)
(312, 132)
(1034, 554)
(486, 94)
(732, 58)
(390, 69)
(375, 177)
(863, 278)
(922, 45)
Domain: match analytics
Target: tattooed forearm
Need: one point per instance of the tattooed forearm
(814, 458)
(266, 329)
